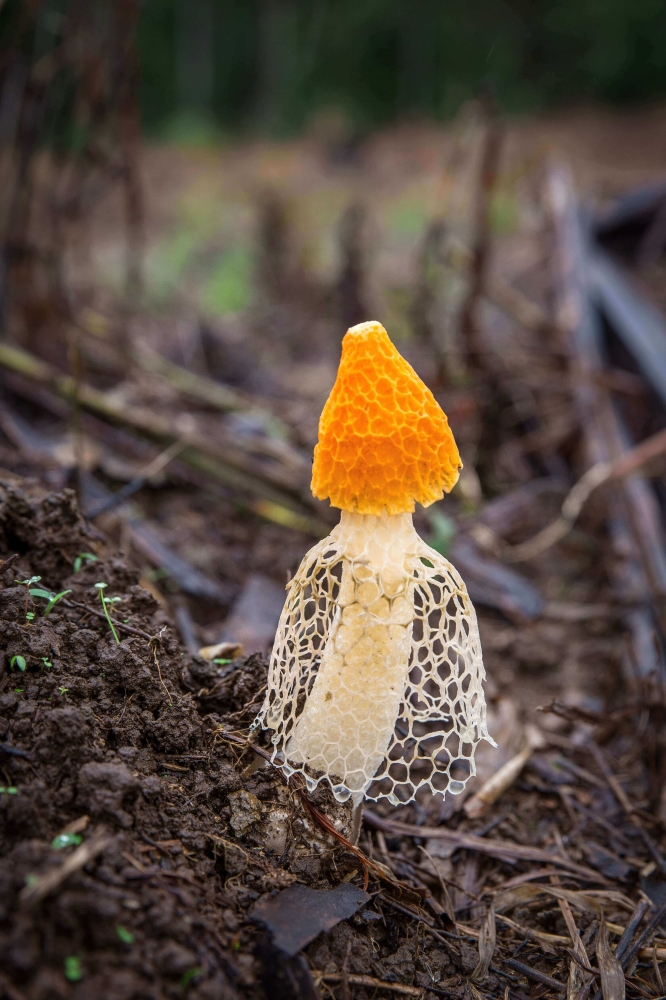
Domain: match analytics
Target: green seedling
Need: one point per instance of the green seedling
(106, 601)
(46, 661)
(221, 662)
(63, 691)
(53, 600)
(66, 840)
(17, 661)
(8, 790)
(48, 596)
(189, 976)
(28, 584)
(18, 690)
(31, 880)
(125, 936)
(84, 557)
(30, 615)
(73, 970)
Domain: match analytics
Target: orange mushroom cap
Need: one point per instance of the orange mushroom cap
(384, 440)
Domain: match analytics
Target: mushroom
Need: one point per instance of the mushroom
(375, 681)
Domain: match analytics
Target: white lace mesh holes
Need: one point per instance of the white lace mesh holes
(376, 670)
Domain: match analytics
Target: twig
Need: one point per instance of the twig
(153, 643)
(502, 849)
(156, 465)
(355, 980)
(98, 842)
(229, 465)
(8, 562)
(596, 476)
(626, 805)
(538, 977)
(98, 614)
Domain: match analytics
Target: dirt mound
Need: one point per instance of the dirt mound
(133, 839)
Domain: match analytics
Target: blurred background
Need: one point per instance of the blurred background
(198, 198)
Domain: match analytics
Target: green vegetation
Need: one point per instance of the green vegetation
(191, 974)
(73, 970)
(66, 840)
(209, 67)
(84, 557)
(125, 936)
(105, 604)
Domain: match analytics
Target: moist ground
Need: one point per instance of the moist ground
(121, 738)
(136, 839)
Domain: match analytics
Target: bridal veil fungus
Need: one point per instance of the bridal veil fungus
(375, 681)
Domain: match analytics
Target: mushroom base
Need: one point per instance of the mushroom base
(376, 676)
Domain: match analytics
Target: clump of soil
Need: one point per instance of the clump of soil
(115, 749)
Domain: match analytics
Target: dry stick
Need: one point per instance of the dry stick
(153, 643)
(129, 489)
(355, 980)
(624, 944)
(631, 928)
(230, 466)
(98, 842)
(538, 977)
(205, 390)
(99, 614)
(644, 938)
(502, 849)
(626, 805)
(579, 955)
(632, 519)
(600, 473)
(8, 562)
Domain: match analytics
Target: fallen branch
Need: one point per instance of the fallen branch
(354, 980)
(502, 849)
(599, 474)
(228, 465)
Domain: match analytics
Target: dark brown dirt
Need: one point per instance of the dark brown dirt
(122, 737)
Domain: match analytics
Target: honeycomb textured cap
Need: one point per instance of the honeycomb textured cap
(384, 440)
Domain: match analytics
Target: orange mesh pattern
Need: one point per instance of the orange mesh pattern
(384, 441)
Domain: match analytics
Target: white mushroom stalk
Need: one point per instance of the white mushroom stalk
(375, 682)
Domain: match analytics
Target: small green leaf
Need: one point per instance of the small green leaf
(12, 790)
(66, 840)
(125, 936)
(31, 879)
(82, 557)
(73, 970)
(18, 661)
(54, 600)
(38, 592)
(101, 586)
(18, 690)
(63, 691)
(189, 976)
(221, 661)
(30, 615)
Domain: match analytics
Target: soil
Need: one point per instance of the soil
(123, 737)
(98, 734)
